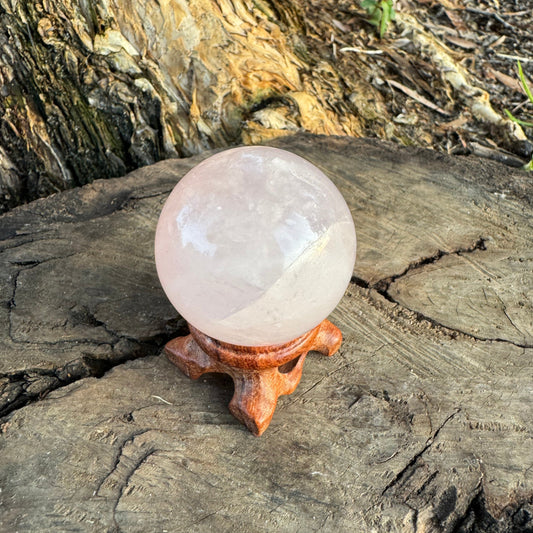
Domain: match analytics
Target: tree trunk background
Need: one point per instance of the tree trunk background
(94, 89)
(421, 423)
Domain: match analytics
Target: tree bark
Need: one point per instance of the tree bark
(421, 422)
(94, 89)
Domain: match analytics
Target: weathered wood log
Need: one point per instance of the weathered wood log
(422, 421)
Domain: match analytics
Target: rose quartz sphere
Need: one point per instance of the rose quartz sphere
(255, 246)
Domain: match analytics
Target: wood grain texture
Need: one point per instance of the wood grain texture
(421, 422)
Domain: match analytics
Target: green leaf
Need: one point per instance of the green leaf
(369, 5)
(375, 18)
(380, 13)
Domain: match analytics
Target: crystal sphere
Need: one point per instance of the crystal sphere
(255, 246)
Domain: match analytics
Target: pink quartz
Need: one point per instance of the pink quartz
(255, 246)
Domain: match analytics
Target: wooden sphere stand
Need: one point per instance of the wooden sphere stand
(260, 373)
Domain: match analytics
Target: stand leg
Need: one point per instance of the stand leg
(256, 391)
(189, 357)
(328, 339)
(255, 398)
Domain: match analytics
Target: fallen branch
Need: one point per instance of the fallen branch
(475, 98)
(418, 97)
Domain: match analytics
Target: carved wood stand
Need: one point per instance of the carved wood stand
(260, 373)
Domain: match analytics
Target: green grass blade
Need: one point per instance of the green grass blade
(385, 17)
(517, 120)
(524, 82)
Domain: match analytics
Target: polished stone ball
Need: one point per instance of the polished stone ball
(255, 246)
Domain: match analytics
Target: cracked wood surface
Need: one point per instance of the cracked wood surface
(422, 421)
